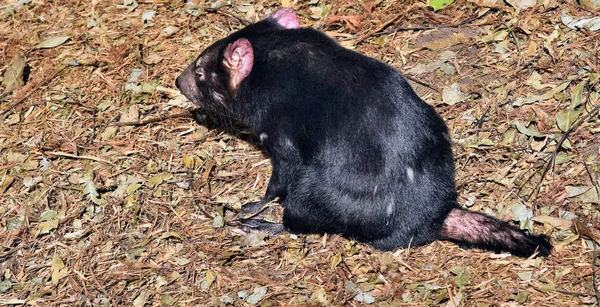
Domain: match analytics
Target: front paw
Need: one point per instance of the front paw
(271, 229)
(252, 208)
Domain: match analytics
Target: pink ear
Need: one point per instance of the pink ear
(286, 18)
(238, 59)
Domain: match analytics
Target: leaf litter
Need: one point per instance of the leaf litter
(113, 193)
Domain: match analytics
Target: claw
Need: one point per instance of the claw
(271, 229)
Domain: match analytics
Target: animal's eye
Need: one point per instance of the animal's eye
(200, 73)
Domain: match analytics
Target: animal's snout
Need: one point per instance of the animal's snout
(178, 83)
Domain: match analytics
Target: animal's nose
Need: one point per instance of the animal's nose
(177, 83)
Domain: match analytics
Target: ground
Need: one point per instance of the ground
(112, 193)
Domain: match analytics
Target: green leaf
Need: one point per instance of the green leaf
(52, 42)
(132, 188)
(463, 276)
(335, 260)
(563, 157)
(46, 226)
(566, 118)
(166, 300)
(576, 95)
(155, 180)
(528, 131)
(546, 288)
(211, 276)
(5, 285)
(48, 215)
(526, 275)
(437, 5)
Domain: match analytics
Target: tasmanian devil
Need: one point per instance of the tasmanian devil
(354, 149)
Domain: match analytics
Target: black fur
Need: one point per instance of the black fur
(354, 149)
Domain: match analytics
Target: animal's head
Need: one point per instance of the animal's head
(213, 79)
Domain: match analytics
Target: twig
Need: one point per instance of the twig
(35, 88)
(227, 13)
(379, 28)
(571, 292)
(423, 28)
(594, 277)
(100, 287)
(422, 83)
(68, 155)
(153, 120)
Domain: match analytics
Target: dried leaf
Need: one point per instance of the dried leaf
(5, 285)
(364, 297)
(555, 222)
(590, 24)
(141, 299)
(335, 260)
(148, 15)
(166, 300)
(526, 275)
(151, 59)
(457, 38)
(168, 31)
(257, 295)
(566, 118)
(462, 276)
(5, 183)
(48, 215)
(13, 76)
(210, 277)
(573, 191)
(522, 4)
(452, 95)
(46, 227)
(89, 189)
(58, 268)
(253, 239)
(52, 42)
(155, 180)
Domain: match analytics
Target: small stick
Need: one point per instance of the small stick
(422, 83)
(423, 28)
(68, 155)
(153, 120)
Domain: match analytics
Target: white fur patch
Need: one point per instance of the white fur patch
(410, 173)
(390, 208)
(288, 143)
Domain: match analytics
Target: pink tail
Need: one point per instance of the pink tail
(482, 231)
